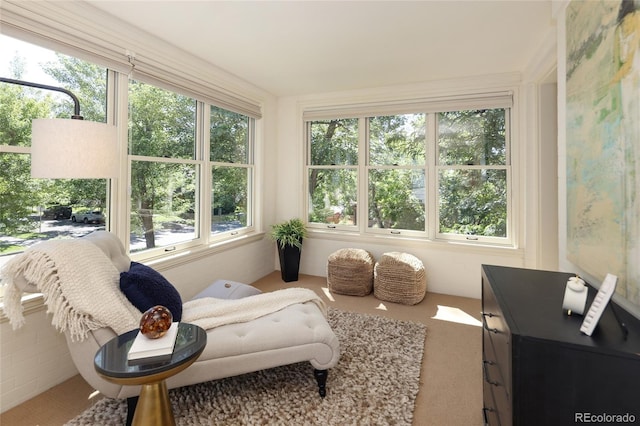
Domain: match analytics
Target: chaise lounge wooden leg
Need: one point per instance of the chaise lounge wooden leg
(321, 378)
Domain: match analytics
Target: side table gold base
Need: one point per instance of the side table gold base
(154, 407)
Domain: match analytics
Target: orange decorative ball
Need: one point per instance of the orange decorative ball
(156, 322)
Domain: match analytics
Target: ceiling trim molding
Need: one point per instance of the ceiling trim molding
(82, 30)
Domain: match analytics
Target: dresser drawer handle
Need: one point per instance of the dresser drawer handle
(492, 382)
(486, 327)
(485, 411)
(488, 362)
(486, 377)
(488, 314)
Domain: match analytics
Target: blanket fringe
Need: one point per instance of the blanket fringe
(40, 269)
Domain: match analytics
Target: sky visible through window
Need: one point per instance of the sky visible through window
(33, 56)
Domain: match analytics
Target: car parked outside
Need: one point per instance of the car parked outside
(87, 216)
(57, 212)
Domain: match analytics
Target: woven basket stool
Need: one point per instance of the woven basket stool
(399, 278)
(350, 271)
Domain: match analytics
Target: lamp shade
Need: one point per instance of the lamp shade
(73, 149)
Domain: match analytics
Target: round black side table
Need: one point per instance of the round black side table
(153, 405)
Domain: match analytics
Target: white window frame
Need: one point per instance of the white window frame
(203, 237)
(359, 178)
(250, 165)
(33, 24)
(437, 167)
(429, 106)
(368, 166)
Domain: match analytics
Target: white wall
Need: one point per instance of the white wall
(548, 222)
(450, 269)
(32, 360)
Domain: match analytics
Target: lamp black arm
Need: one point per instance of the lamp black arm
(76, 104)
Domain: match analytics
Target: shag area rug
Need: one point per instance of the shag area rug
(375, 382)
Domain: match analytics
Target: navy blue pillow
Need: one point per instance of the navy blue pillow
(145, 288)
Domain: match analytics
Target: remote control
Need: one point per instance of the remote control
(599, 303)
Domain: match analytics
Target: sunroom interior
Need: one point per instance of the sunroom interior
(286, 67)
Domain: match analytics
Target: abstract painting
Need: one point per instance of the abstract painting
(603, 140)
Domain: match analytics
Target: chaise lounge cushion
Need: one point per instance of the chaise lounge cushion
(145, 288)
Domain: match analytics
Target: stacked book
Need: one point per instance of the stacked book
(145, 350)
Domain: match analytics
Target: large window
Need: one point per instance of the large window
(189, 168)
(437, 175)
(32, 210)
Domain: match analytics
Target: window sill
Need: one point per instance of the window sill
(34, 302)
(189, 255)
(418, 243)
(31, 302)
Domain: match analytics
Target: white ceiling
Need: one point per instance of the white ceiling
(301, 47)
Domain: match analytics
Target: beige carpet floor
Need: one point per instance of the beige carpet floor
(450, 390)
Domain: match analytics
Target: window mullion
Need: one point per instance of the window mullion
(363, 175)
(112, 184)
(431, 176)
(202, 183)
(123, 219)
(163, 159)
(13, 149)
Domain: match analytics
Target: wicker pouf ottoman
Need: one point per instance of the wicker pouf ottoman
(400, 278)
(350, 271)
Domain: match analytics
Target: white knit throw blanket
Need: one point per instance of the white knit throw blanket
(80, 284)
(81, 288)
(209, 312)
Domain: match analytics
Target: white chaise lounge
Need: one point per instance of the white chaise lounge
(295, 333)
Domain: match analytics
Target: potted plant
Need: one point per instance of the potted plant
(288, 236)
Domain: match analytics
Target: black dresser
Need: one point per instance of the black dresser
(539, 369)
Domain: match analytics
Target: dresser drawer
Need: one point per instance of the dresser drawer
(497, 403)
(492, 371)
(503, 406)
(489, 407)
(496, 339)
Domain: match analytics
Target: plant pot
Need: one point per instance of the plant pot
(289, 262)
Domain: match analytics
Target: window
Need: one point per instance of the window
(333, 172)
(426, 174)
(190, 174)
(168, 156)
(472, 173)
(230, 153)
(396, 172)
(38, 209)
(164, 168)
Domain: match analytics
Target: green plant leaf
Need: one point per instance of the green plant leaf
(291, 232)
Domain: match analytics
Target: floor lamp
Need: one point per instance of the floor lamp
(71, 148)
